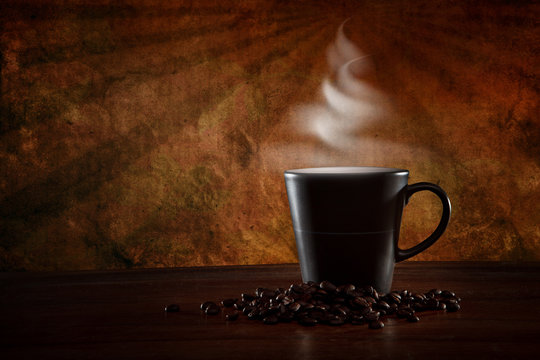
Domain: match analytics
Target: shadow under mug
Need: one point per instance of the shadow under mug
(347, 219)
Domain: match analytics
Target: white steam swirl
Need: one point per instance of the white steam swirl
(350, 103)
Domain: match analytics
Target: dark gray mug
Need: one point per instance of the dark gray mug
(346, 222)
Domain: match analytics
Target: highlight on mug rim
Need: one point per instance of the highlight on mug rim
(353, 170)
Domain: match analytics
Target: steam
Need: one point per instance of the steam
(350, 103)
(346, 118)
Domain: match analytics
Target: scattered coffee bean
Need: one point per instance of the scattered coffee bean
(313, 303)
(232, 316)
(172, 308)
(206, 304)
(376, 324)
(248, 297)
(212, 309)
(228, 302)
(270, 320)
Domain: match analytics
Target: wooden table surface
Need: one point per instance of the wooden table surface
(119, 314)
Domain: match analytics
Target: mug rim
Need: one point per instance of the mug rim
(347, 170)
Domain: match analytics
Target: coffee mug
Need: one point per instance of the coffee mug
(346, 222)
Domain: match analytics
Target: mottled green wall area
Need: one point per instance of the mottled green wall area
(151, 134)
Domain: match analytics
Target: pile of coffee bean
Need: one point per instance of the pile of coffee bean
(314, 303)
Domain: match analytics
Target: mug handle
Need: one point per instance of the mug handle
(447, 210)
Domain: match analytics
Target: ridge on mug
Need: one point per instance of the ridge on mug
(346, 222)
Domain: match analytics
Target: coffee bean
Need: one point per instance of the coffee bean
(403, 313)
(372, 316)
(323, 307)
(383, 305)
(172, 308)
(392, 310)
(206, 304)
(447, 294)
(253, 315)
(347, 288)
(395, 298)
(413, 318)
(287, 300)
(358, 320)
(360, 302)
(435, 291)
(295, 307)
(365, 311)
(239, 305)
(442, 306)
(353, 293)
(338, 310)
(296, 289)
(264, 312)
(228, 302)
(320, 294)
(248, 297)
(267, 293)
(212, 309)
(232, 316)
(376, 324)
(327, 286)
(369, 290)
(370, 300)
(248, 309)
(452, 307)
(270, 320)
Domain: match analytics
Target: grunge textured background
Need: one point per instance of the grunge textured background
(150, 133)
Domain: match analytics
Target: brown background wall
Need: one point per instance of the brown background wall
(155, 133)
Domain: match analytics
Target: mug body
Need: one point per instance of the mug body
(346, 222)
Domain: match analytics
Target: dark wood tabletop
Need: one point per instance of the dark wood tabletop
(120, 314)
